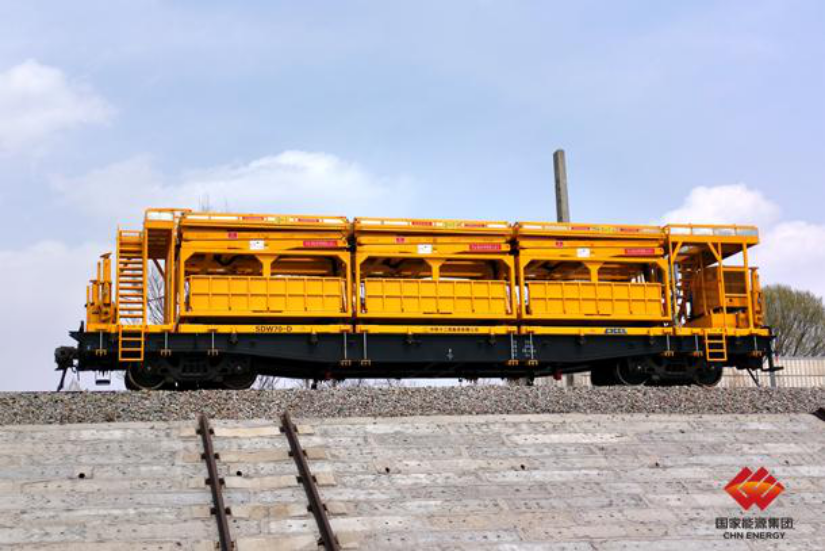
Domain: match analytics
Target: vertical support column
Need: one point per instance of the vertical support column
(346, 260)
(747, 279)
(357, 295)
(266, 261)
(169, 282)
(512, 286)
(435, 267)
(721, 281)
(521, 286)
(145, 291)
(593, 270)
(561, 179)
(665, 274)
(676, 309)
(563, 214)
(182, 258)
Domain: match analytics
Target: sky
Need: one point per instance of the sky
(705, 112)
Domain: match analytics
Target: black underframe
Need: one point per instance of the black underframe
(369, 355)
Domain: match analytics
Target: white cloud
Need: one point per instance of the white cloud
(731, 204)
(38, 101)
(290, 182)
(46, 286)
(791, 252)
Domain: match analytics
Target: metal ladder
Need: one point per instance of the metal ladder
(715, 342)
(131, 295)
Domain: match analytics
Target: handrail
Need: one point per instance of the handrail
(606, 230)
(303, 220)
(718, 230)
(164, 214)
(431, 225)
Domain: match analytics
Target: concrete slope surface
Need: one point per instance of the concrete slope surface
(507, 482)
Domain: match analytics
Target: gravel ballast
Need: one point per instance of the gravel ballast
(94, 407)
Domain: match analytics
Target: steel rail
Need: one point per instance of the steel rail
(316, 506)
(216, 483)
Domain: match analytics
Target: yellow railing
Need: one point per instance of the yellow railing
(416, 298)
(585, 299)
(265, 296)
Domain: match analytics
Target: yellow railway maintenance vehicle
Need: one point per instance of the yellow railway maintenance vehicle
(212, 300)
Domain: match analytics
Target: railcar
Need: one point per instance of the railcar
(212, 300)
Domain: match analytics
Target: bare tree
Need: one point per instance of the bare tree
(797, 318)
(155, 296)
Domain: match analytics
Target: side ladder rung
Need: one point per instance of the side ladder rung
(716, 348)
(131, 341)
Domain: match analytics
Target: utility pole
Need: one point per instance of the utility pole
(563, 213)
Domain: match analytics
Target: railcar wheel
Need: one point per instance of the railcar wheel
(241, 381)
(141, 377)
(709, 375)
(127, 382)
(630, 373)
(602, 375)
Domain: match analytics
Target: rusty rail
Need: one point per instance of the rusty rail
(316, 505)
(216, 484)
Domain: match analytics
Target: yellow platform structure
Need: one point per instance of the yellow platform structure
(224, 275)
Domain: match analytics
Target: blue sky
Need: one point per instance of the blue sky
(711, 111)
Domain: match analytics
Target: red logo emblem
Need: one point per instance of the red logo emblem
(754, 488)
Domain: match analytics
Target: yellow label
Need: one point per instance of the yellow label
(273, 328)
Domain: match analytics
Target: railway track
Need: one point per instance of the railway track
(216, 484)
(315, 505)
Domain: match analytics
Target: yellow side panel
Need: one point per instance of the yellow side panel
(417, 298)
(238, 296)
(572, 300)
(716, 320)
